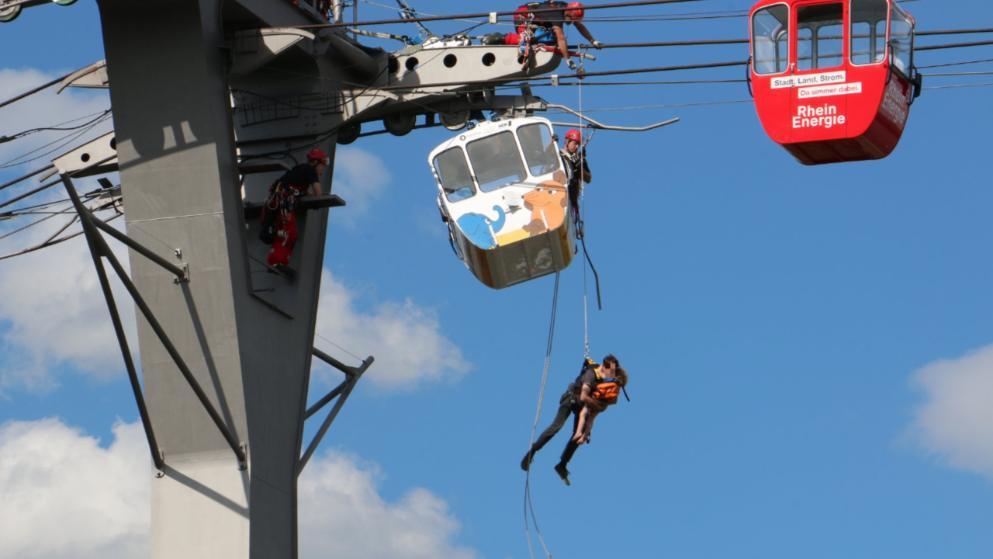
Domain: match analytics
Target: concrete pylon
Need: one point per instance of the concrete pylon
(247, 346)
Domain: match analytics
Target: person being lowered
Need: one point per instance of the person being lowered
(279, 222)
(577, 397)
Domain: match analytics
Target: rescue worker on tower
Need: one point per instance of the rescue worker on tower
(544, 23)
(279, 222)
(577, 166)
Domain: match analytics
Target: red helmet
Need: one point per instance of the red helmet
(574, 135)
(316, 155)
(575, 11)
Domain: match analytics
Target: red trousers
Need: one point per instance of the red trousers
(286, 239)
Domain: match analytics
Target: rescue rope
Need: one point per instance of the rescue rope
(581, 226)
(528, 502)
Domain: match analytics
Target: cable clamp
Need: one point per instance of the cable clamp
(555, 80)
(493, 18)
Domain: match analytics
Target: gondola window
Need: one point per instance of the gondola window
(454, 174)
(539, 149)
(497, 161)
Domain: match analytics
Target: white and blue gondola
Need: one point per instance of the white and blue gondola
(503, 193)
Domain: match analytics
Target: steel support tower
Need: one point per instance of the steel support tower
(212, 100)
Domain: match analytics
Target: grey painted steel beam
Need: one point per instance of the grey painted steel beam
(180, 273)
(122, 340)
(349, 384)
(180, 363)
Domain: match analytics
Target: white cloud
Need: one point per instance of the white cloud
(55, 313)
(51, 307)
(955, 421)
(66, 496)
(360, 178)
(44, 109)
(54, 310)
(342, 515)
(406, 339)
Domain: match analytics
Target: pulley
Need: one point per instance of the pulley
(400, 124)
(348, 133)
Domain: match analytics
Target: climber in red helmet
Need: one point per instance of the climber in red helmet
(577, 167)
(544, 22)
(279, 218)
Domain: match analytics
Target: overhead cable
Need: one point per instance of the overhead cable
(582, 75)
(51, 242)
(25, 177)
(35, 90)
(31, 192)
(56, 127)
(745, 41)
(961, 63)
(588, 7)
(960, 86)
(954, 32)
(957, 74)
(954, 45)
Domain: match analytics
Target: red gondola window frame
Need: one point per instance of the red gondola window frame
(826, 36)
(895, 57)
(876, 55)
(757, 38)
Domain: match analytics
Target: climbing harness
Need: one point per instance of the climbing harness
(270, 213)
(528, 502)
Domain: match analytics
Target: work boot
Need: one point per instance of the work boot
(286, 271)
(563, 472)
(526, 461)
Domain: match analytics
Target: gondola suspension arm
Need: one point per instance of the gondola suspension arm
(601, 126)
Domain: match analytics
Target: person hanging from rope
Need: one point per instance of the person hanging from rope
(279, 217)
(543, 23)
(576, 397)
(606, 391)
(577, 168)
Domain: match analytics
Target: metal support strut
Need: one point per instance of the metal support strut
(96, 252)
(99, 248)
(352, 376)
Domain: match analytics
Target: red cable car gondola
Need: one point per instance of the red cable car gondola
(833, 80)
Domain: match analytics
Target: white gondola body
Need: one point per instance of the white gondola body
(503, 192)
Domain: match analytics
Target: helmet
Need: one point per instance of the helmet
(316, 155)
(574, 135)
(575, 11)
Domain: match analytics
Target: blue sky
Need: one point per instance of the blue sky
(810, 348)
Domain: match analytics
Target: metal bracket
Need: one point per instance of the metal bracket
(81, 162)
(255, 48)
(99, 248)
(600, 126)
(92, 76)
(342, 391)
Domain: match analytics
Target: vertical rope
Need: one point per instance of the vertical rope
(528, 503)
(582, 214)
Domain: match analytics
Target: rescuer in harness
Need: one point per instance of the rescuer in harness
(577, 397)
(606, 391)
(279, 218)
(543, 23)
(578, 169)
